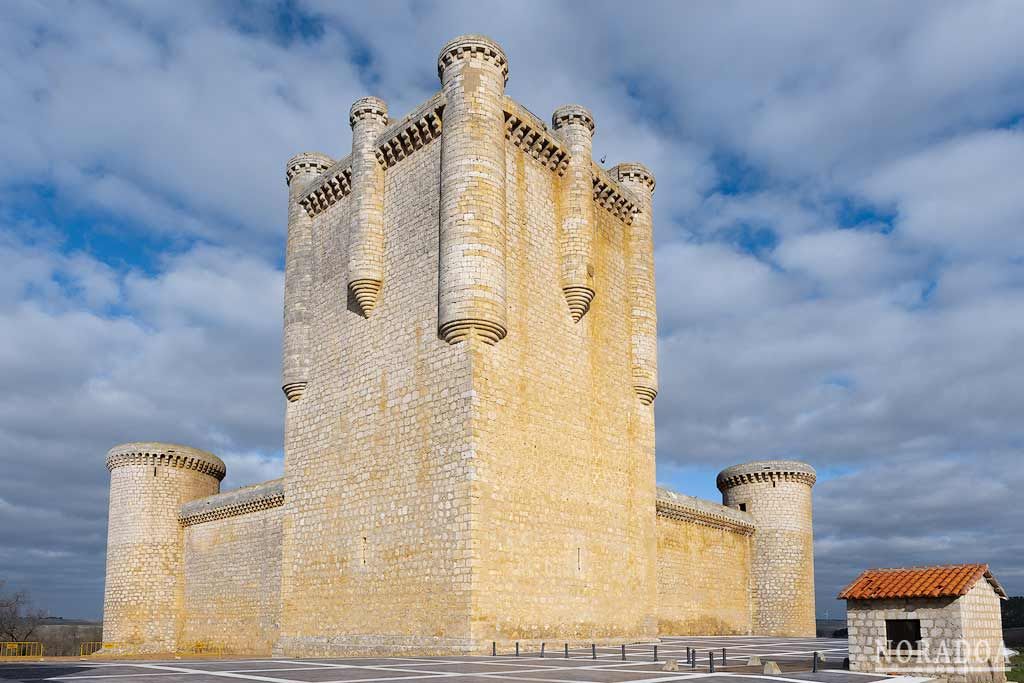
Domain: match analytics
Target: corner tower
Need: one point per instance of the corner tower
(643, 306)
(368, 118)
(471, 291)
(575, 125)
(777, 494)
(145, 583)
(300, 171)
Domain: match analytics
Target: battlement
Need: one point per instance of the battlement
(766, 471)
(612, 197)
(242, 501)
(368, 107)
(472, 44)
(307, 162)
(410, 134)
(153, 453)
(424, 124)
(637, 172)
(570, 114)
(678, 506)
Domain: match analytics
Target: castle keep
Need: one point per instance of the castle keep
(470, 366)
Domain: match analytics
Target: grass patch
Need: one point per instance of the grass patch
(1016, 672)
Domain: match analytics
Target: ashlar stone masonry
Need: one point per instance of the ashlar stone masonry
(470, 366)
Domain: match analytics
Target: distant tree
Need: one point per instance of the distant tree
(18, 621)
(1013, 612)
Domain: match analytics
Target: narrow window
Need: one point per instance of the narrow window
(743, 507)
(903, 634)
(579, 559)
(363, 551)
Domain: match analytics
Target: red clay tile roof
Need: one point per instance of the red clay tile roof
(919, 582)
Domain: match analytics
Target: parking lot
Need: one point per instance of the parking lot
(605, 665)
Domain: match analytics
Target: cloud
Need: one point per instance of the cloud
(838, 242)
(961, 196)
(194, 359)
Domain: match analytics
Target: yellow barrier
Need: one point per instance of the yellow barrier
(20, 650)
(94, 647)
(202, 648)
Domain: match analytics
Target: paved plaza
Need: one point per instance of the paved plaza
(794, 655)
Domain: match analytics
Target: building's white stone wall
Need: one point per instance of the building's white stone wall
(983, 626)
(961, 638)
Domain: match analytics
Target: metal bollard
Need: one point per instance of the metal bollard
(593, 651)
(693, 659)
(623, 653)
(655, 653)
(494, 649)
(814, 663)
(711, 661)
(542, 649)
(567, 650)
(517, 648)
(723, 656)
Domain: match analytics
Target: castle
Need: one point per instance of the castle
(470, 363)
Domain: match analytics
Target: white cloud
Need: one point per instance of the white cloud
(851, 262)
(962, 196)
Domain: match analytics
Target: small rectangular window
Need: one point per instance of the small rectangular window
(743, 507)
(903, 634)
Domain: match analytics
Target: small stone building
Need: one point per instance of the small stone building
(941, 622)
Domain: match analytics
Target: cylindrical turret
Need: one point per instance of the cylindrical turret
(143, 598)
(368, 118)
(471, 285)
(300, 172)
(777, 494)
(642, 305)
(575, 125)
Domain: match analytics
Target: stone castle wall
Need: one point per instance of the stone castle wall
(377, 451)
(564, 483)
(703, 567)
(232, 566)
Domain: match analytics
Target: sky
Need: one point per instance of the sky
(839, 222)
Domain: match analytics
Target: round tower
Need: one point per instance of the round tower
(300, 172)
(643, 304)
(777, 494)
(575, 124)
(142, 602)
(368, 118)
(471, 286)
